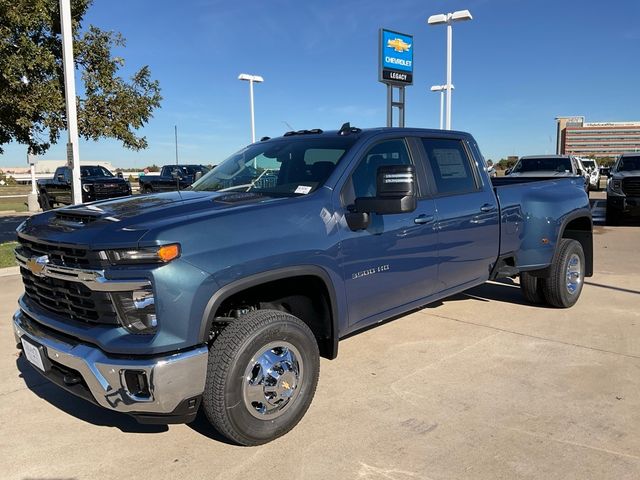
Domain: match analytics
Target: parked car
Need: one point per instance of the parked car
(97, 182)
(172, 177)
(545, 166)
(623, 189)
(591, 166)
(225, 296)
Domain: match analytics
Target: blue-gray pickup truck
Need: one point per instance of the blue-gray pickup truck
(223, 297)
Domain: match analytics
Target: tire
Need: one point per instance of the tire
(562, 289)
(532, 288)
(43, 200)
(235, 399)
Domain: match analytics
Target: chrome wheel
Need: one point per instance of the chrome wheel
(271, 380)
(574, 274)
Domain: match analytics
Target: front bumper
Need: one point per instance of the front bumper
(626, 205)
(175, 381)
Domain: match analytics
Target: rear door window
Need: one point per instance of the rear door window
(450, 165)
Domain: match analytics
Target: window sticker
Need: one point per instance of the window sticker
(303, 189)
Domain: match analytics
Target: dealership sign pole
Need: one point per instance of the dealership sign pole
(73, 153)
(395, 57)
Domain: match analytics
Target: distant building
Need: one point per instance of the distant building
(596, 139)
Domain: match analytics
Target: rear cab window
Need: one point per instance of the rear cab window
(450, 166)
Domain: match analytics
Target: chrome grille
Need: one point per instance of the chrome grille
(69, 299)
(66, 255)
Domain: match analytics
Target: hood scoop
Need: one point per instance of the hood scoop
(76, 218)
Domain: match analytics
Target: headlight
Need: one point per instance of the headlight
(136, 311)
(162, 254)
(87, 187)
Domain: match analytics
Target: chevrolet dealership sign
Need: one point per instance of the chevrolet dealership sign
(395, 57)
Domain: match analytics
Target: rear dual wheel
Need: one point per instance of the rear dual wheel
(563, 286)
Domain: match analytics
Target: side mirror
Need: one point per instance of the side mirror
(60, 178)
(507, 171)
(198, 176)
(395, 193)
(119, 175)
(579, 171)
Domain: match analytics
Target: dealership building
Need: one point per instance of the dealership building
(596, 139)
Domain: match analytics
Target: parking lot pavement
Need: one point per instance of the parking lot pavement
(478, 386)
(8, 225)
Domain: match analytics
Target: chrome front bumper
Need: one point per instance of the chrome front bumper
(172, 379)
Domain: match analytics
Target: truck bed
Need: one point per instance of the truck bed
(530, 225)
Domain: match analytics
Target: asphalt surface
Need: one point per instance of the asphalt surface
(8, 225)
(479, 386)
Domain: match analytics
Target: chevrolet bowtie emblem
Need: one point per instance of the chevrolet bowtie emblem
(36, 265)
(398, 45)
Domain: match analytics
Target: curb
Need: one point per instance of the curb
(9, 271)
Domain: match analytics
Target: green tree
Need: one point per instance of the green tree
(32, 107)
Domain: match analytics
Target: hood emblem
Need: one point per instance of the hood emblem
(37, 265)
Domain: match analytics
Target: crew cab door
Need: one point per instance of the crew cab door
(394, 261)
(467, 212)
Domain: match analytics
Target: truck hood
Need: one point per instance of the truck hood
(103, 180)
(542, 173)
(122, 222)
(626, 174)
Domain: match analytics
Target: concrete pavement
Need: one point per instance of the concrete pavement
(479, 386)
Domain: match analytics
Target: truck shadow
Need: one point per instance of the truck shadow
(77, 407)
(504, 290)
(95, 415)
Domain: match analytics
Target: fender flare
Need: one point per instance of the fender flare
(588, 251)
(269, 276)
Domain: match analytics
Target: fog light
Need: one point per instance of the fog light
(137, 311)
(136, 383)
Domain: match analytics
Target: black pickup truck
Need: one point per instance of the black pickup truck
(172, 177)
(98, 183)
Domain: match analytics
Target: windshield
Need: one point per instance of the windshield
(588, 163)
(284, 168)
(542, 164)
(96, 171)
(629, 163)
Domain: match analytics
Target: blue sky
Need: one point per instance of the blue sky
(516, 66)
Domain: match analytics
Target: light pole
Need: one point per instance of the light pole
(73, 154)
(448, 19)
(251, 79)
(441, 89)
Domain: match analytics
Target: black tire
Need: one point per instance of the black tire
(43, 200)
(532, 288)
(230, 358)
(556, 288)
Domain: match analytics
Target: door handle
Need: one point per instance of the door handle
(424, 219)
(487, 207)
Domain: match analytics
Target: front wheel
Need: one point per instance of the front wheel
(564, 285)
(262, 375)
(43, 200)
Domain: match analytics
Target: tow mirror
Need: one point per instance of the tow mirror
(395, 193)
